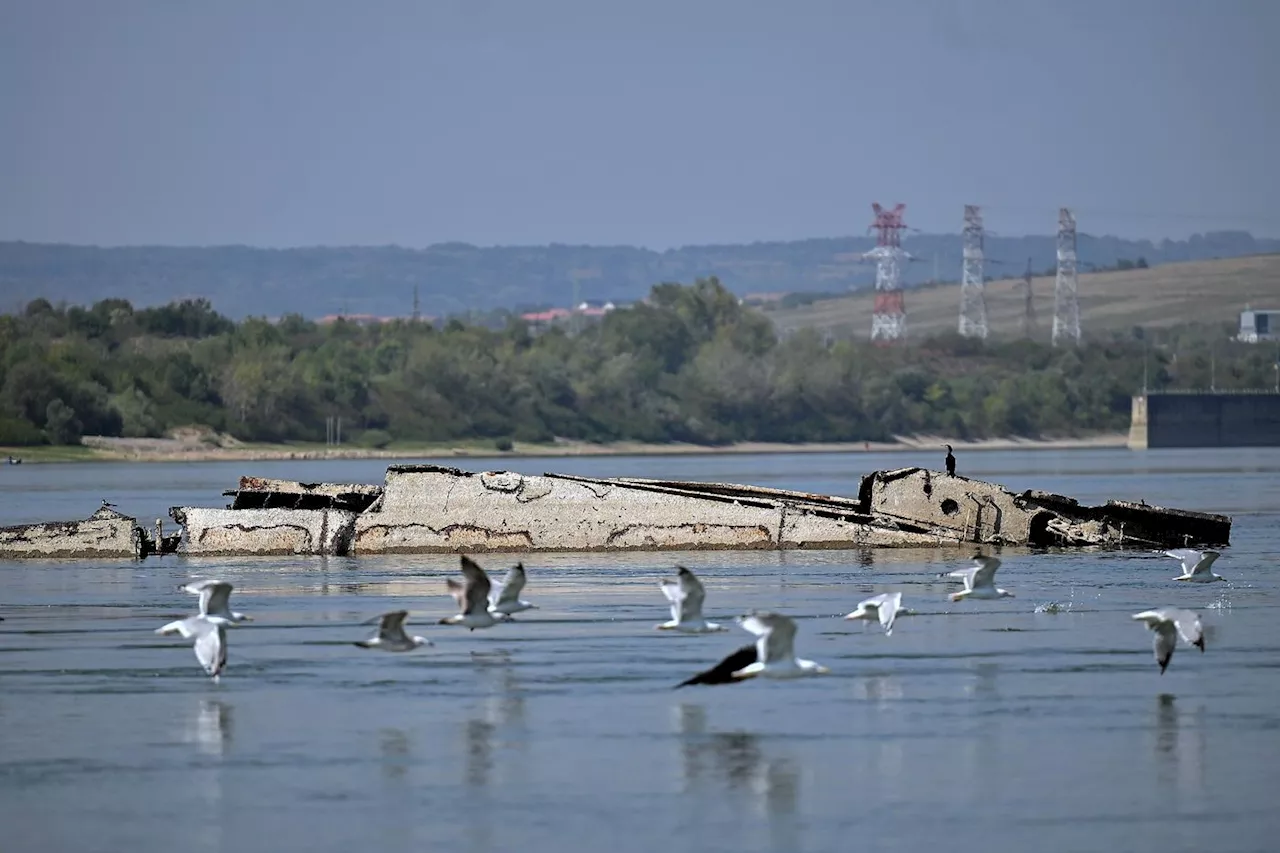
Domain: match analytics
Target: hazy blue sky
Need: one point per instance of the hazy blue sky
(654, 122)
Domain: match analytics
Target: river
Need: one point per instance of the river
(1036, 722)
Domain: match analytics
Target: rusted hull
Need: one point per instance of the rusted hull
(987, 513)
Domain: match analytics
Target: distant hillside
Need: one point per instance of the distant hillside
(1169, 295)
(454, 278)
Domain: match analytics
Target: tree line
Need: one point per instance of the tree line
(688, 364)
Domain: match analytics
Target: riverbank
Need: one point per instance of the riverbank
(100, 448)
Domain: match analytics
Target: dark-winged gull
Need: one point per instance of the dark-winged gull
(884, 607)
(472, 596)
(686, 594)
(980, 581)
(504, 599)
(772, 655)
(210, 635)
(1169, 623)
(1195, 565)
(391, 636)
(215, 599)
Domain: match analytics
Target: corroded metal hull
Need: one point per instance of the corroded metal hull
(423, 509)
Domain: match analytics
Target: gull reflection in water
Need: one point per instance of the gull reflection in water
(737, 760)
(1180, 746)
(878, 689)
(885, 754)
(502, 711)
(393, 746)
(210, 728)
(396, 814)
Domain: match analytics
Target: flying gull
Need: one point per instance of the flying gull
(884, 607)
(215, 599)
(686, 595)
(472, 596)
(391, 636)
(1195, 565)
(980, 581)
(771, 656)
(1169, 623)
(504, 600)
(210, 634)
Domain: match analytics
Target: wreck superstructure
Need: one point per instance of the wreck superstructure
(424, 509)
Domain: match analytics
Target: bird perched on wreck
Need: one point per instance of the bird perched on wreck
(504, 599)
(686, 594)
(1195, 565)
(391, 636)
(980, 581)
(472, 596)
(951, 461)
(771, 656)
(1169, 623)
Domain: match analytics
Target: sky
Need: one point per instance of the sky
(657, 123)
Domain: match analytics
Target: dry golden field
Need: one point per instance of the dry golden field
(1168, 295)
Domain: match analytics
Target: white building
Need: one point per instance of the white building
(1258, 326)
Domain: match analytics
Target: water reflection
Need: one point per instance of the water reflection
(878, 689)
(984, 682)
(210, 728)
(1180, 746)
(393, 747)
(502, 711)
(737, 761)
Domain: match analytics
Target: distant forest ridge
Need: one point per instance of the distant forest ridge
(458, 278)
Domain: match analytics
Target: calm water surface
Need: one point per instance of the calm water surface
(1010, 725)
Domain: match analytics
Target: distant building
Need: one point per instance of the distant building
(540, 320)
(1256, 326)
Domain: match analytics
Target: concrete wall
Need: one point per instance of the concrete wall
(1205, 420)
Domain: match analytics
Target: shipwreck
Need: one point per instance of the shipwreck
(422, 509)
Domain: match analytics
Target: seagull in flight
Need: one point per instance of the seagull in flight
(1168, 623)
(771, 656)
(215, 599)
(980, 581)
(472, 596)
(504, 599)
(686, 594)
(391, 636)
(1195, 565)
(884, 607)
(210, 635)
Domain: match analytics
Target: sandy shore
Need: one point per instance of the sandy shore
(177, 450)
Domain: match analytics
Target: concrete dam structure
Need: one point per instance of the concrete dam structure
(1205, 419)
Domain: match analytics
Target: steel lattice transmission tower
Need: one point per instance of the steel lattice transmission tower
(1066, 303)
(973, 297)
(1028, 304)
(889, 319)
